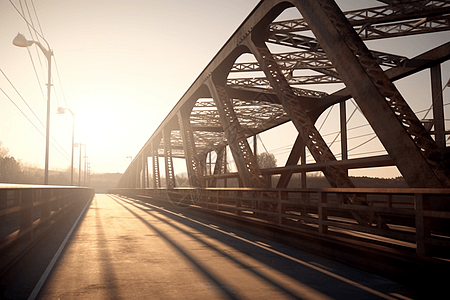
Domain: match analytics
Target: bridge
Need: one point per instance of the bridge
(234, 229)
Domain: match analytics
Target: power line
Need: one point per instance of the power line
(22, 112)
(39, 23)
(23, 17)
(32, 111)
(60, 83)
(38, 34)
(22, 98)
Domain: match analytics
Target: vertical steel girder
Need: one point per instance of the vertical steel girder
(402, 134)
(438, 105)
(155, 165)
(144, 171)
(133, 176)
(245, 160)
(192, 161)
(343, 119)
(170, 174)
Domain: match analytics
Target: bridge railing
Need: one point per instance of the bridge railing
(411, 220)
(27, 211)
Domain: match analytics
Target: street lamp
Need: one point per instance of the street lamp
(21, 41)
(62, 110)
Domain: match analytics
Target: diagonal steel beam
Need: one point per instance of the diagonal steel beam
(245, 160)
(396, 125)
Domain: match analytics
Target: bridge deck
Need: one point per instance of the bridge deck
(123, 250)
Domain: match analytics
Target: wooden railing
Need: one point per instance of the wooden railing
(26, 211)
(412, 220)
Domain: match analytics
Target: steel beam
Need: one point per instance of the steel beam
(438, 105)
(170, 172)
(192, 161)
(244, 158)
(394, 122)
(298, 114)
(155, 166)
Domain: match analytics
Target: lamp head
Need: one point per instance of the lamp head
(61, 110)
(21, 41)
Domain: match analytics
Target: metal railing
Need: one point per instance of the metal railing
(27, 211)
(413, 220)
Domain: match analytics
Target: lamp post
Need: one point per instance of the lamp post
(85, 167)
(79, 162)
(62, 110)
(21, 41)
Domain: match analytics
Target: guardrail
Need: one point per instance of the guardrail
(27, 211)
(412, 220)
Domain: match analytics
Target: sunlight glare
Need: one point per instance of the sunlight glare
(96, 124)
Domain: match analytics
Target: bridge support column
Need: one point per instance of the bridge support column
(170, 173)
(438, 105)
(155, 167)
(343, 119)
(144, 171)
(423, 224)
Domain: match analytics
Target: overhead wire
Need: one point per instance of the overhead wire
(54, 57)
(37, 19)
(26, 103)
(12, 101)
(37, 38)
(30, 24)
(31, 57)
(65, 154)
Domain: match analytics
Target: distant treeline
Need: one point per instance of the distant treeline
(319, 181)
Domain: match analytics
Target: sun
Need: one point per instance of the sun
(96, 124)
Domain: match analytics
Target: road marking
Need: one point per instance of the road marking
(52, 263)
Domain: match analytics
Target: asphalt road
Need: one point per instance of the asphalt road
(127, 250)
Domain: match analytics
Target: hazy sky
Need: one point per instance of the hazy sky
(122, 66)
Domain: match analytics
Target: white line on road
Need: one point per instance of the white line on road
(52, 263)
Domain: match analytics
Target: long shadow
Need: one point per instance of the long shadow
(201, 268)
(109, 276)
(207, 244)
(310, 276)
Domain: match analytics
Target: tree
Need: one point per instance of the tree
(10, 170)
(266, 160)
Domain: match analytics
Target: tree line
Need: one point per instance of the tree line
(13, 171)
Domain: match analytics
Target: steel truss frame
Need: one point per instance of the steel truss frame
(232, 101)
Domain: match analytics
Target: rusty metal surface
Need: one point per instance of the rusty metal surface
(256, 102)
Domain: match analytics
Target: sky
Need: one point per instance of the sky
(121, 66)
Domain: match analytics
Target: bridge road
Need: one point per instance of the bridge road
(130, 250)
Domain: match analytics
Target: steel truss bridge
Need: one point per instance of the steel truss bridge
(225, 107)
(233, 100)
